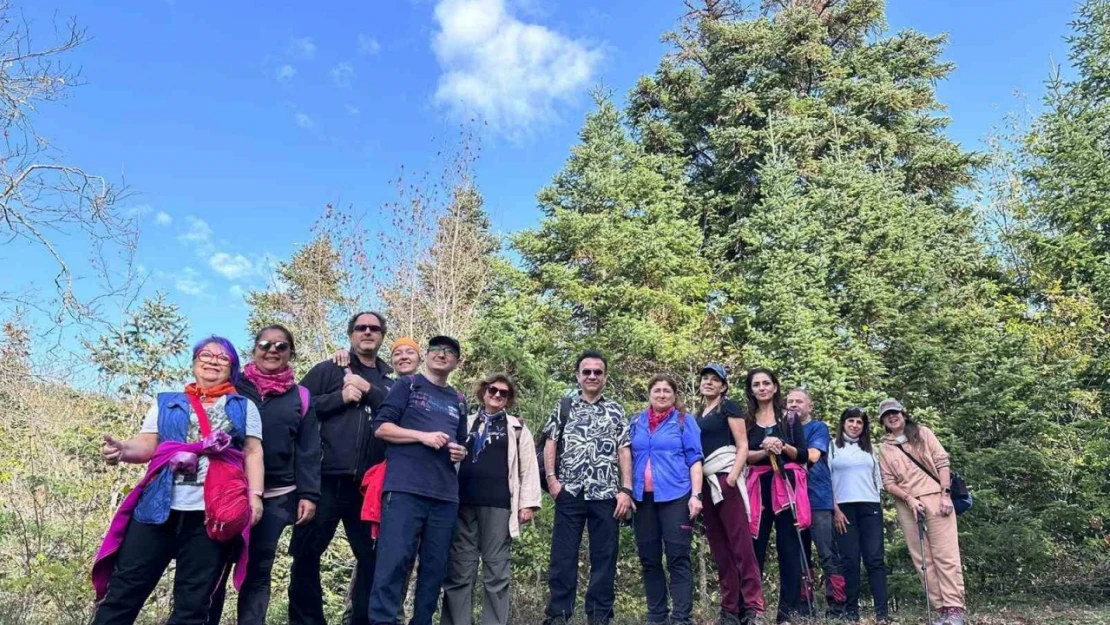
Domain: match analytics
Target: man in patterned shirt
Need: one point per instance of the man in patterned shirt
(591, 486)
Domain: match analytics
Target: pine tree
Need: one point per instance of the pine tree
(144, 353)
(614, 262)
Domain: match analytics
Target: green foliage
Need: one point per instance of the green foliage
(307, 297)
(144, 353)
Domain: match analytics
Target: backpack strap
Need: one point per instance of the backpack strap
(305, 399)
(919, 465)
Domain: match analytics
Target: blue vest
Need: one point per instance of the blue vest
(173, 425)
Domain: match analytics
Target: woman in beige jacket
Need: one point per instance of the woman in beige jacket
(924, 491)
(499, 489)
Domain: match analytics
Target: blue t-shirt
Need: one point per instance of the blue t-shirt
(820, 479)
(415, 468)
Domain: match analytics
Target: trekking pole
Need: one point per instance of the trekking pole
(806, 577)
(924, 570)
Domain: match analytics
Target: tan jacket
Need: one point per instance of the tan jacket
(897, 469)
(524, 473)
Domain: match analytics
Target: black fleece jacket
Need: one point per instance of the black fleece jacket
(290, 443)
(346, 429)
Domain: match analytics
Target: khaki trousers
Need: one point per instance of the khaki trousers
(942, 551)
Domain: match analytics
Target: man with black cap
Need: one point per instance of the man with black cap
(424, 421)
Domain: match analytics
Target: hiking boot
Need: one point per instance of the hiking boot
(751, 617)
(730, 618)
(942, 617)
(957, 616)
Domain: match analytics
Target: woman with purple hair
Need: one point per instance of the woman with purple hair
(208, 426)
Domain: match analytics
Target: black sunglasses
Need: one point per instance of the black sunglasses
(366, 327)
(280, 346)
(493, 391)
(593, 373)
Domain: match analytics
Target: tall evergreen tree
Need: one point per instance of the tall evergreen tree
(616, 263)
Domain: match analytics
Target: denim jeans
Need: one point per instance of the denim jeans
(408, 520)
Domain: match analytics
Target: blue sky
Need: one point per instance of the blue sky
(235, 124)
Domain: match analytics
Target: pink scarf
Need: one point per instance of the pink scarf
(269, 384)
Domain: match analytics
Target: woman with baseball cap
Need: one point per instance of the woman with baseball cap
(915, 469)
(724, 441)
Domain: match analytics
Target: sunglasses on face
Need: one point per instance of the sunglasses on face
(494, 391)
(367, 327)
(280, 346)
(209, 358)
(593, 373)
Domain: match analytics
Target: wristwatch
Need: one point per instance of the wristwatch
(697, 496)
(947, 490)
(626, 491)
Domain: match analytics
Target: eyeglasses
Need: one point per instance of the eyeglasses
(443, 349)
(280, 346)
(593, 373)
(496, 391)
(209, 357)
(366, 327)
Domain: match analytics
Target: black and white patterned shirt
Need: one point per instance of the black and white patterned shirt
(594, 433)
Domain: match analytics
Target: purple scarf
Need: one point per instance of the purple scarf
(175, 456)
(269, 384)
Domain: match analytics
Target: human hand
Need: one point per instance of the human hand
(840, 522)
(305, 511)
(351, 395)
(256, 509)
(457, 451)
(695, 507)
(112, 450)
(624, 506)
(435, 440)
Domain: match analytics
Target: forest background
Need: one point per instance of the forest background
(781, 191)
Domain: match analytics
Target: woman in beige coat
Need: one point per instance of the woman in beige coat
(922, 489)
(499, 489)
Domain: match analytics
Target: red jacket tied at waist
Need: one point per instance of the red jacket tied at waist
(372, 483)
(779, 496)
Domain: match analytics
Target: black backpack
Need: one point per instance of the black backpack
(561, 424)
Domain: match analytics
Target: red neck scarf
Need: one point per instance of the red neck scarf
(269, 384)
(656, 418)
(210, 394)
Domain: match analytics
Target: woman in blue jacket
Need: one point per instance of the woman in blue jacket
(666, 463)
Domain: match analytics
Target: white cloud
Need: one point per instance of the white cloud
(231, 266)
(304, 121)
(163, 218)
(510, 72)
(198, 234)
(302, 48)
(140, 211)
(342, 74)
(352, 110)
(236, 291)
(286, 72)
(190, 283)
(368, 45)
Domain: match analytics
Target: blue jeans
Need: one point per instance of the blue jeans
(407, 520)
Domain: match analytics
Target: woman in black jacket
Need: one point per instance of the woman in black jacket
(776, 451)
(291, 455)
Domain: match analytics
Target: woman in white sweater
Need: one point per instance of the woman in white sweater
(857, 512)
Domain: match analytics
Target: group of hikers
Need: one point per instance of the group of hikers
(396, 455)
